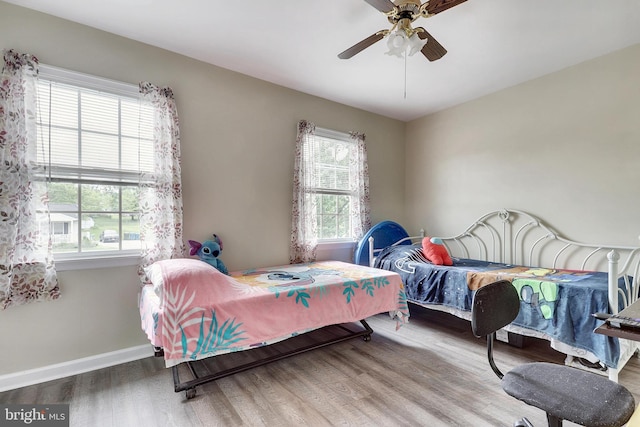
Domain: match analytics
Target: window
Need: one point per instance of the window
(331, 184)
(330, 190)
(94, 137)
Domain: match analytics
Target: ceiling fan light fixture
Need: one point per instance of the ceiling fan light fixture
(397, 43)
(415, 44)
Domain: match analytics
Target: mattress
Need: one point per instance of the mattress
(193, 311)
(554, 302)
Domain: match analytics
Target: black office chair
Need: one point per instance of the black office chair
(563, 392)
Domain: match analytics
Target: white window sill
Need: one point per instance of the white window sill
(93, 262)
(337, 244)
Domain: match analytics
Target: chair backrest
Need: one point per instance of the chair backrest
(494, 306)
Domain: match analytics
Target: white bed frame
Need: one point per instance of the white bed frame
(516, 237)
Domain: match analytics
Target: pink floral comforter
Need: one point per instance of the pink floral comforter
(193, 311)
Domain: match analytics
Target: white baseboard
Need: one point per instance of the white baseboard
(73, 367)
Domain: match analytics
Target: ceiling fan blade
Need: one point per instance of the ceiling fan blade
(362, 45)
(432, 50)
(437, 6)
(383, 6)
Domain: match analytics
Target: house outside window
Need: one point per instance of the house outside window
(94, 137)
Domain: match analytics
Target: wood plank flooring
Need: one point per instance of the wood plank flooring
(431, 372)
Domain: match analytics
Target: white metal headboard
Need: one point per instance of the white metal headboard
(516, 237)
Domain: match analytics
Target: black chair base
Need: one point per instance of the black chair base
(522, 423)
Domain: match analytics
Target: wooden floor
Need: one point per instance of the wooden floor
(431, 372)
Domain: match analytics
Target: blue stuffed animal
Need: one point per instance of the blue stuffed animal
(209, 251)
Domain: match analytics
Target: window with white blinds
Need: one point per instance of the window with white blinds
(330, 184)
(94, 137)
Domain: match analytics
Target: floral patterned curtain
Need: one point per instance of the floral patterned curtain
(359, 186)
(27, 269)
(161, 191)
(304, 229)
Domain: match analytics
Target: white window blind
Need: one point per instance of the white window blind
(89, 130)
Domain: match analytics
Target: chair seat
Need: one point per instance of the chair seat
(570, 394)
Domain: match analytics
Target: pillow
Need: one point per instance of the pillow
(154, 274)
(180, 272)
(434, 251)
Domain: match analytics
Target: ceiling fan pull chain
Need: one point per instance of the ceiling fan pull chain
(405, 74)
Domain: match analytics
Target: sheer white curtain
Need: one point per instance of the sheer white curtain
(359, 186)
(161, 190)
(304, 228)
(27, 269)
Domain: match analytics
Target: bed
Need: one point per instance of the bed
(561, 282)
(190, 311)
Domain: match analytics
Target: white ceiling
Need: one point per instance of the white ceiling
(492, 44)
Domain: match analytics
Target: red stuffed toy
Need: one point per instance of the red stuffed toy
(435, 252)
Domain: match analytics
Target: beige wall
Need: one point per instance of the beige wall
(565, 147)
(238, 135)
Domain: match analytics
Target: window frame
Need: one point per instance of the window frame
(93, 259)
(333, 242)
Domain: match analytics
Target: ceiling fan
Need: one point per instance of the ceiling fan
(401, 14)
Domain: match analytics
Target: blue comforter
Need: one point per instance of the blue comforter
(558, 303)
